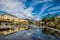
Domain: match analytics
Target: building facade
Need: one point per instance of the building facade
(7, 19)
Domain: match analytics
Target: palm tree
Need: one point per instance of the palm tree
(56, 15)
(48, 15)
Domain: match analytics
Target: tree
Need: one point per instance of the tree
(58, 26)
(51, 24)
(56, 15)
(48, 15)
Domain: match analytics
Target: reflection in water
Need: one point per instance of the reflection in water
(55, 33)
(50, 33)
(31, 34)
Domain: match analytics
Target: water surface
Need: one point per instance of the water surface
(31, 34)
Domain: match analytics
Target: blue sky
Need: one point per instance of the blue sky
(30, 9)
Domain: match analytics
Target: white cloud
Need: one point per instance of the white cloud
(12, 6)
(35, 2)
(55, 8)
(43, 10)
(38, 18)
(16, 7)
(54, 12)
(28, 12)
(50, 13)
(28, 33)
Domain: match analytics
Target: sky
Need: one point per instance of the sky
(30, 9)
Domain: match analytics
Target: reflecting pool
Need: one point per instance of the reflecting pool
(31, 34)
